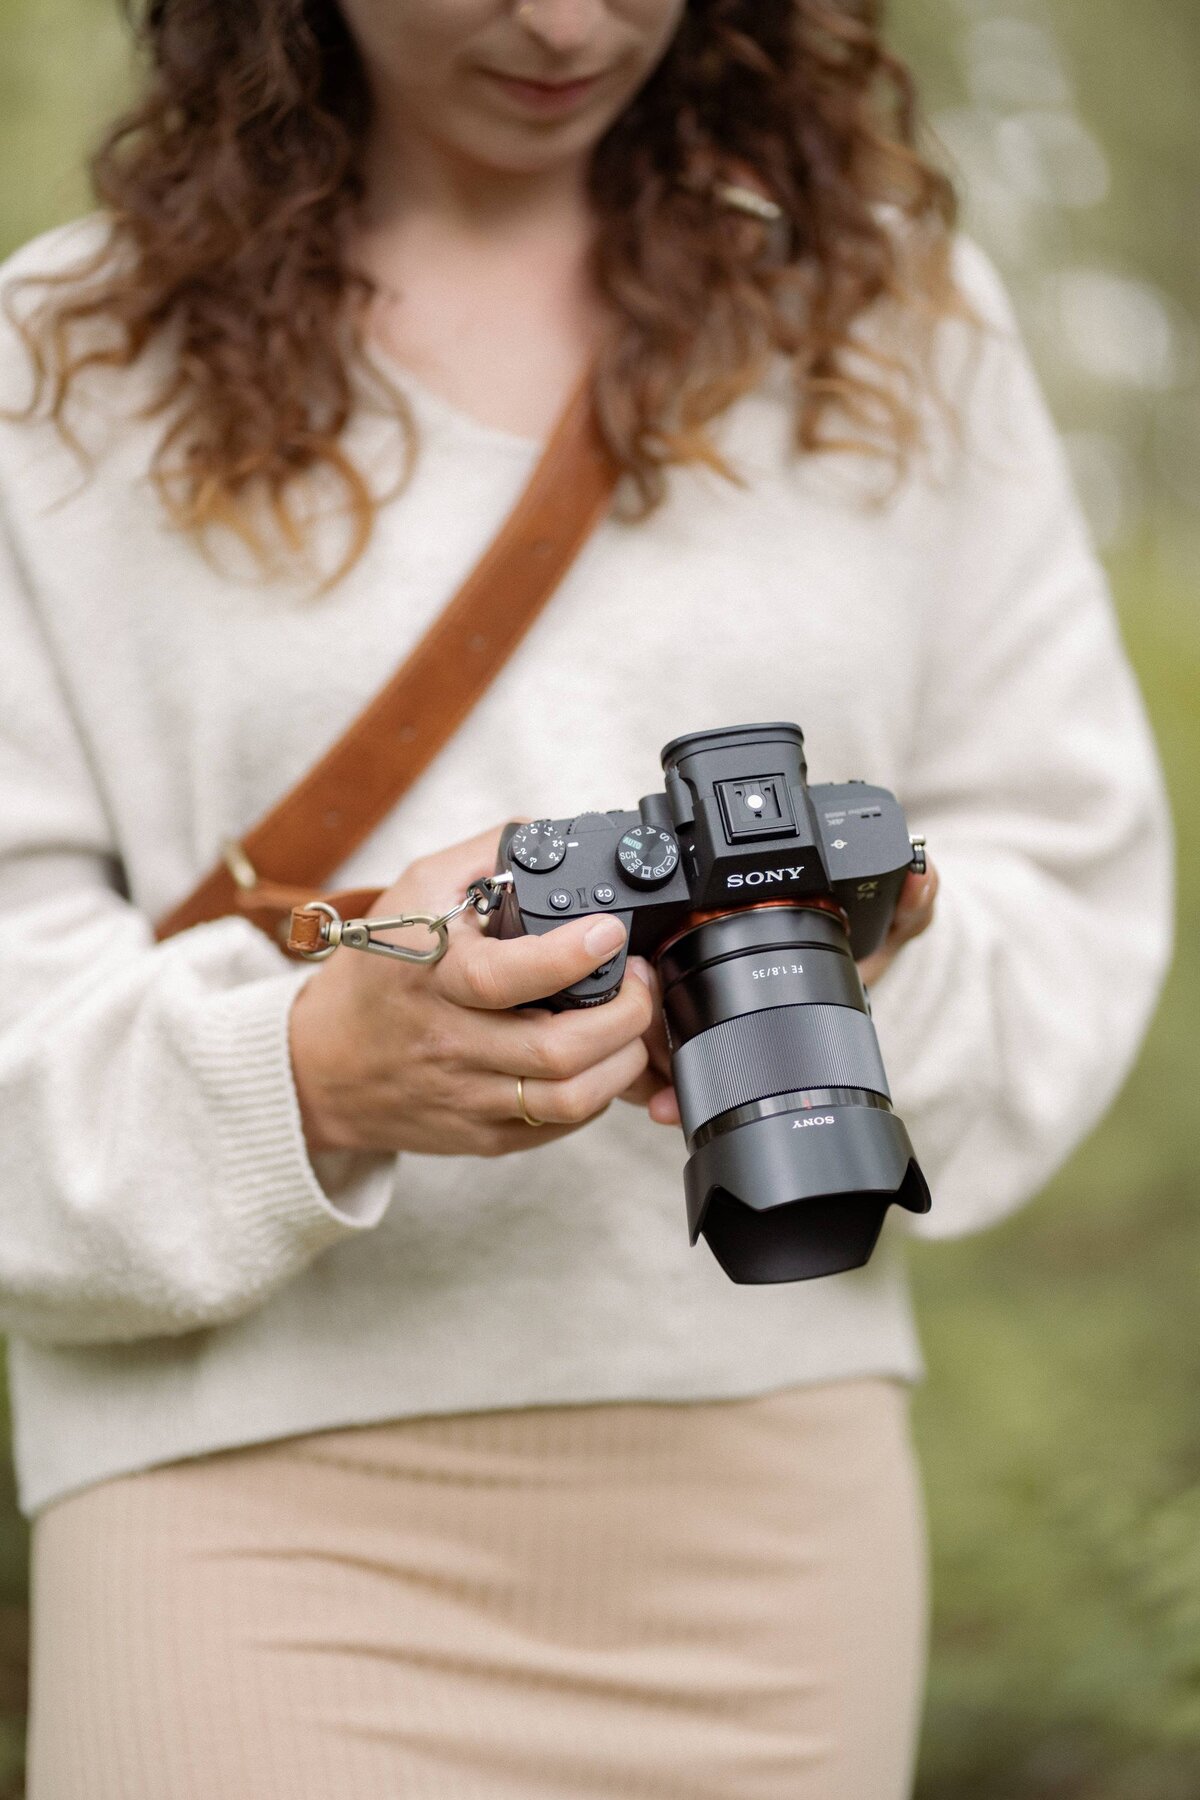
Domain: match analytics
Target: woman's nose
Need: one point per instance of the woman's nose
(563, 26)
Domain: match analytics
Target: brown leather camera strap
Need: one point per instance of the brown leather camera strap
(287, 857)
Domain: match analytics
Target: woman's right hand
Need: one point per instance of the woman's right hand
(392, 1056)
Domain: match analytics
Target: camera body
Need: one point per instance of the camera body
(702, 846)
(754, 895)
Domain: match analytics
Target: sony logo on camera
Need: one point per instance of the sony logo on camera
(758, 877)
(803, 1124)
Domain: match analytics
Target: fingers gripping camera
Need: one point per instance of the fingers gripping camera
(754, 895)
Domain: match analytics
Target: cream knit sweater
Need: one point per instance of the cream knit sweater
(175, 1274)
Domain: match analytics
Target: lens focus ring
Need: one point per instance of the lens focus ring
(774, 1052)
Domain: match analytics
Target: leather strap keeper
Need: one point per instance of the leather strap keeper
(304, 935)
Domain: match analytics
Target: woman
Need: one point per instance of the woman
(364, 1456)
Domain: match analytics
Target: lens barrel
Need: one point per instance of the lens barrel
(794, 1152)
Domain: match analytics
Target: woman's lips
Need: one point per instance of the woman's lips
(545, 97)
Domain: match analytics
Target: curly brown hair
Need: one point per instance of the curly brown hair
(231, 185)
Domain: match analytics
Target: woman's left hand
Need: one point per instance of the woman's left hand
(913, 915)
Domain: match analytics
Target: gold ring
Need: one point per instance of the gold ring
(521, 1103)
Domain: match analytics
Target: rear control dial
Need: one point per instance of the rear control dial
(647, 855)
(538, 846)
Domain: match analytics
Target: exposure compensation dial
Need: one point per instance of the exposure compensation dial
(648, 855)
(538, 846)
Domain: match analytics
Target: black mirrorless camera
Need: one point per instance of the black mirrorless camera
(753, 894)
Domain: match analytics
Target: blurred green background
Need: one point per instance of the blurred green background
(1060, 1425)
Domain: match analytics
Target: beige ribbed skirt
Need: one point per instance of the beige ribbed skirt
(713, 1601)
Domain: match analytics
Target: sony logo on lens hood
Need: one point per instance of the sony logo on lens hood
(757, 877)
(803, 1124)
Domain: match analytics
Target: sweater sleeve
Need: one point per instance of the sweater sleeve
(1010, 1025)
(153, 1171)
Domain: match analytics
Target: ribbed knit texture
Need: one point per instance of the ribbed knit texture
(177, 1276)
(581, 1603)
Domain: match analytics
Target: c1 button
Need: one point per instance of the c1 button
(604, 895)
(560, 900)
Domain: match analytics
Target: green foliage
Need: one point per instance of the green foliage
(14, 1629)
(1059, 1426)
(62, 63)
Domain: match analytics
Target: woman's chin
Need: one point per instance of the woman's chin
(529, 148)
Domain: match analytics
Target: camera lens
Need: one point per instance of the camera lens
(794, 1152)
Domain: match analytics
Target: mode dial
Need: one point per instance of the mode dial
(538, 846)
(647, 855)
